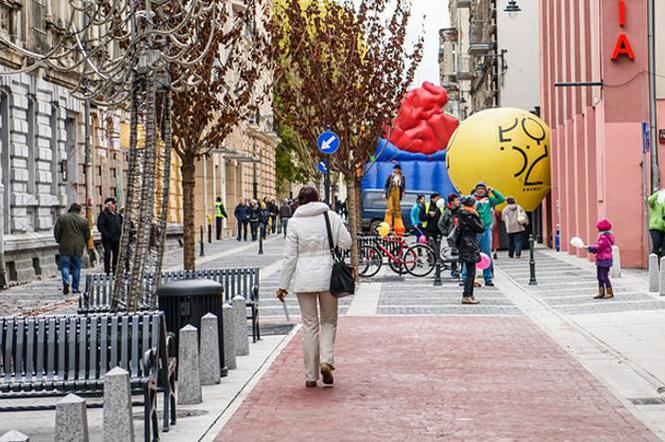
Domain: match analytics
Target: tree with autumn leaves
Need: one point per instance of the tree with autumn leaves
(343, 68)
(205, 113)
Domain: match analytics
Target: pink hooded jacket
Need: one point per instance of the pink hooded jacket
(603, 247)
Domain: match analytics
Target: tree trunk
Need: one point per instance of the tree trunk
(353, 208)
(188, 207)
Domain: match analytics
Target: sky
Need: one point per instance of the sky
(436, 17)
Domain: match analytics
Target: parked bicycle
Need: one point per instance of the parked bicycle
(418, 259)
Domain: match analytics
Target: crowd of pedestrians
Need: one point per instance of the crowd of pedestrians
(259, 218)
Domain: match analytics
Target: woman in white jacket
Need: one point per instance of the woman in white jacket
(306, 269)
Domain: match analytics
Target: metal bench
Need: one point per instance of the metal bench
(242, 281)
(47, 356)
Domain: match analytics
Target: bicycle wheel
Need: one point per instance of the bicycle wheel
(370, 261)
(419, 260)
(397, 267)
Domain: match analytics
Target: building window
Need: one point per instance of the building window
(32, 145)
(38, 25)
(5, 159)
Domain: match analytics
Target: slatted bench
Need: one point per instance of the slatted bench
(242, 281)
(47, 356)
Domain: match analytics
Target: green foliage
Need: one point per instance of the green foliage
(289, 169)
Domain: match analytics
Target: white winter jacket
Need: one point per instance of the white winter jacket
(307, 262)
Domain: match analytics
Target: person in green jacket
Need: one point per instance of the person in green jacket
(657, 223)
(487, 199)
(71, 233)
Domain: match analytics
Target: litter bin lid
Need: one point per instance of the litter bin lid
(190, 287)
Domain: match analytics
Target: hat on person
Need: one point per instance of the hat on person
(109, 200)
(510, 200)
(481, 184)
(468, 201)
(604, 224)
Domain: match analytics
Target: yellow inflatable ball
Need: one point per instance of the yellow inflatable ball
(383, 230)
(508, 149)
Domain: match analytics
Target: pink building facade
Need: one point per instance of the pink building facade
(597, 155)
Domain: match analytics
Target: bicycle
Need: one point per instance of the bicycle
(418, 259)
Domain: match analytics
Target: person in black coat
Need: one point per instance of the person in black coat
(264, 217)
(109, 224)
(469, 226)
(242, 217)
(254, 218)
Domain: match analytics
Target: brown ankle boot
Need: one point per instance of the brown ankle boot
(601, 293)
(610, 293)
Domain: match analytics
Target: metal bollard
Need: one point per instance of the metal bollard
(209, 233)
(532, 263)
(201, 242)
(260, 240)
(437, 268)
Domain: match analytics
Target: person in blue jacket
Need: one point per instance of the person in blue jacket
(416, 211)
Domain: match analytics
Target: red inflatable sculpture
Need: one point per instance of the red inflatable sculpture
(421, 125)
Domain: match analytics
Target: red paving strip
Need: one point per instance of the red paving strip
(436, 378)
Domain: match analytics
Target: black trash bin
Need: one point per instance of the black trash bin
(187, 301)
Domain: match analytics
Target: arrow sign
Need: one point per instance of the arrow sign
(323, 167)
(328, 142)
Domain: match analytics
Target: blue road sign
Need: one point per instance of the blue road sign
(328, 142)
(323, 167)
(646, 137)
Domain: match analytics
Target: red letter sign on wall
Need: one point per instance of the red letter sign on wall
(622, 46)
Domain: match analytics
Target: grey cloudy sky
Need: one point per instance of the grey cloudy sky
(436, 17)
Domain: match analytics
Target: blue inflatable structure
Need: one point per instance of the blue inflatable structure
(423, 173)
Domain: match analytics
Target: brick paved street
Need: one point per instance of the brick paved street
(427, 378)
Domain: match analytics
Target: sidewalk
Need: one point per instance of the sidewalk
(427, 378)
(46, 296)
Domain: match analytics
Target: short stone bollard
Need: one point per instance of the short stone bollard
(242, 338)
(653, 273)
(209, 350)
(14, 436)
(616, 262)
(229, 336)
(71, 419)
(189, 373)
(118, 418)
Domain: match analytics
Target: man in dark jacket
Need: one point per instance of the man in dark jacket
(470, 225)
(285, 213)
(447, 222)
(109, 224)
(242, 218)
(274, 212)
(431, 218)
(264, 218)
(71, 233)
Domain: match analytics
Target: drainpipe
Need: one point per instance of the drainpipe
(655, 169)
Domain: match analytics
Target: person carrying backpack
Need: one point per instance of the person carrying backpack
(448, 228)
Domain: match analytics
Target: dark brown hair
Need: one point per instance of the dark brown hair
(307, 195)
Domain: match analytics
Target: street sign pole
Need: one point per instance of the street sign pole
(326, 184)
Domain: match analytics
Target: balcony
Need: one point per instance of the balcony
(480, 39)
(463, 68)
(448, 34)
(463, 4)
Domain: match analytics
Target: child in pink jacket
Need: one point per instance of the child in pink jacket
(603, 251)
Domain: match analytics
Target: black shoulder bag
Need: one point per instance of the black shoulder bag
(342, 282)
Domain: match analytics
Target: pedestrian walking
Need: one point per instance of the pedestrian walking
(515, 219)
(254, 217)
(447, 222)
(109, 224)
(470, 228)
(264, 219)
(306, 269)
(415, 215)
(487, 199)
(603, 251)
(241, 213)
(274, 213)
(285, 213)
(71, 233)
(657, 222)
(220, 214)
(431, 220)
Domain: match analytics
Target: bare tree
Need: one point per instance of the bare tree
(205, 114)
(342, 68)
